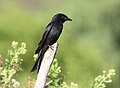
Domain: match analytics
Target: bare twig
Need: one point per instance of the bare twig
(45, 66)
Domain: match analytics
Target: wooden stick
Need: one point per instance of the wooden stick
(45, 66)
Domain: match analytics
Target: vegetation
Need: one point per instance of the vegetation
(55, 77)
(11, 65)
(88, 45)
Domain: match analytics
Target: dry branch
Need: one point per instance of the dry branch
(45, 66)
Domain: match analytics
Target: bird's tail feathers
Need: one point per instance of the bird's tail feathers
(35, 66)
(39, 60)
(38, 49)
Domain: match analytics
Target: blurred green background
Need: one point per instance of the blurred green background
(88, 44)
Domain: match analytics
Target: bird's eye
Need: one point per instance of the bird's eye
(62, 17)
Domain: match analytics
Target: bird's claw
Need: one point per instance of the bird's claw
(51, 47)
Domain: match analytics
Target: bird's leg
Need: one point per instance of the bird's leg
(51, 47)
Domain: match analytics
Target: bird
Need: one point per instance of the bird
(49, 37)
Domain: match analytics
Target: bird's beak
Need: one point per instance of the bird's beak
(68, 19)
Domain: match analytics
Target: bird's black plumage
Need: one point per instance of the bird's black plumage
(50, 36)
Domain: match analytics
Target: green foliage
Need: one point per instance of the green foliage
(72, 85)
(101, 80)
(12, 65)
(55, 77)
(93, 36)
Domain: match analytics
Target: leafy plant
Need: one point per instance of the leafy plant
(55, 76)
(101, 80)
(12, 65)
(72, 85)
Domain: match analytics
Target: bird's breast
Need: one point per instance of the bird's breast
(54, 34)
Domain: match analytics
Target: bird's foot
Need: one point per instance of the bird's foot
(51, 47)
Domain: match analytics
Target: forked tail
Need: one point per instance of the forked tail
(39, 60)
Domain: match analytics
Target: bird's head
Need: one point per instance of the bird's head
(60, 18)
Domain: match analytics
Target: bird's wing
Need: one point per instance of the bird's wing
(44, 37)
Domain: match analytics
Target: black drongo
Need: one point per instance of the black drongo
(50, 36)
